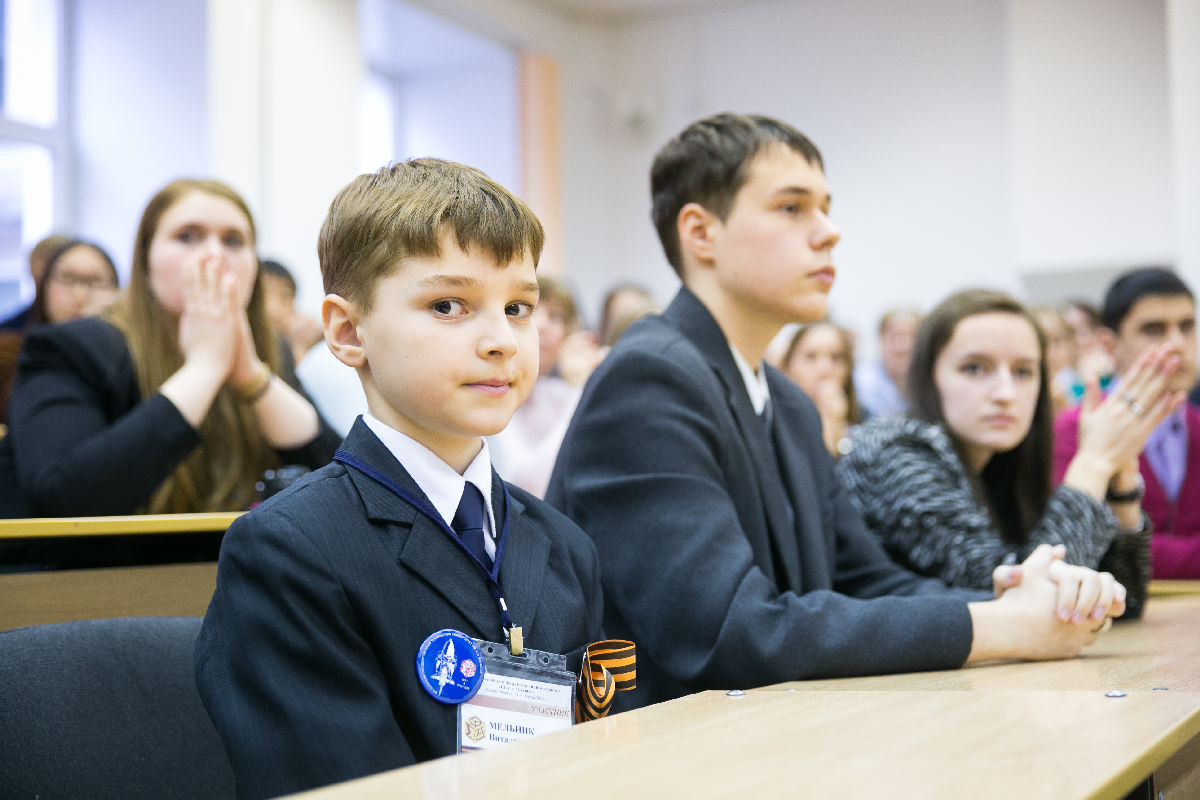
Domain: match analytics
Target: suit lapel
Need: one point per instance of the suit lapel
(428, 550)
(695, 321)
(526, 557)
(814, 540)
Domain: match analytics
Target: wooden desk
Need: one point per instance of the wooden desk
(998, 731)
(108, 526)
(36, 598)
(1158, 588)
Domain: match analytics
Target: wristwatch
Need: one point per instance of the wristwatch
(1131, 496)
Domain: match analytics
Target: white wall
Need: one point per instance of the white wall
(1184, 51)
(585, 50)
(905, 101)
(468, 115)
(1091, 157)
(284, 115)
(455, 92)
(139, 107)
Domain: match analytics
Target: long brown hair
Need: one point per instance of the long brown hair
(1014, 486)
(221, 473)
(853, 410)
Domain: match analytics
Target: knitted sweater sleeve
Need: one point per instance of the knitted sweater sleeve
(908, 482)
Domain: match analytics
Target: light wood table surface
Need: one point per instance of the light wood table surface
(995, 731)
(1157, 588)
(110, 526)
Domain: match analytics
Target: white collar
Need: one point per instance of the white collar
(437, 479)
(756, 385)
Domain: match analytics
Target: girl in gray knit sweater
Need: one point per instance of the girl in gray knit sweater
(962, 483)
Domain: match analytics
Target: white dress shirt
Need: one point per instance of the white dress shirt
(756, 384)
(441, 484)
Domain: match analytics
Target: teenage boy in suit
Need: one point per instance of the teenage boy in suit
(730, 551)
(325, 592)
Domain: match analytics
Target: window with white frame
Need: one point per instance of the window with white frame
(33, 138)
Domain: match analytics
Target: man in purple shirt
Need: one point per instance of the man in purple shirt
(1143, 308)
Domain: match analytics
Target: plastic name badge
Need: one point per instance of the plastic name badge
(521, 697)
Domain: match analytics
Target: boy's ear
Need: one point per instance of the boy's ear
(695, 226)
(339, 319)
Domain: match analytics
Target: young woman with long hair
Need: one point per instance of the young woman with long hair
(172, 401)
(962, 484)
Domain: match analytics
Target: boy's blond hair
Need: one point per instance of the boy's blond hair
(377, 221)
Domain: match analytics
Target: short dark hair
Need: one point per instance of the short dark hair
(1134, 285)
(270, 267)
(1014, 486)
(708, 163)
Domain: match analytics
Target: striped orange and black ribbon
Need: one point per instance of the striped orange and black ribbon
(608, 667)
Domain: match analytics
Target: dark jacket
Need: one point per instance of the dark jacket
(83, 441)
(731, 568)
(307, 658)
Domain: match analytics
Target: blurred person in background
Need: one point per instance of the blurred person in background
(38, 258)
(279, 294)
(961, 485)
(1144, 310)
(880, 385)
(525, 450)
(1060, 355)
(1092, 360)
(820, 359)
(624, 304)
(173, 401)
(333, 387)
(77, 280)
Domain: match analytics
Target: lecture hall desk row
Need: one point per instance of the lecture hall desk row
(1043, 730)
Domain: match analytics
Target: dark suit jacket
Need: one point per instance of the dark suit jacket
(727, 569)
(83, 441)
(307, 658)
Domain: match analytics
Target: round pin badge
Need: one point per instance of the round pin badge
(450, 666)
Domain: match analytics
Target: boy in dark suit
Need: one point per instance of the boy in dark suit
(326, 592)
(730, 551)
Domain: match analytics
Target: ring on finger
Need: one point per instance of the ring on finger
(1134, 405)
(1103, 627)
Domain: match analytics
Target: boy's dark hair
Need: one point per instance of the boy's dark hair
(708, 163)
(1014, 486)
(378, 220)
(270, 267)
(1131, 287)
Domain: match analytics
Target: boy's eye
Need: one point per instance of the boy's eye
(187, 236)
(233, 240)
(518, 310)
(971, 368)
(1023, 372)
(448, 308)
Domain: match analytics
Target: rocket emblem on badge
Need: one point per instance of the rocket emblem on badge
(445, 664)
(442, 655)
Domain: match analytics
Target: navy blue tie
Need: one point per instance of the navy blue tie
(470, 522)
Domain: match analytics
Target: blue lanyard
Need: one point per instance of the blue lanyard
(492, 576)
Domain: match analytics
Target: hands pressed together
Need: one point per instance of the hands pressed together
(1045, 608)
(214, 330)
(1113, 430)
